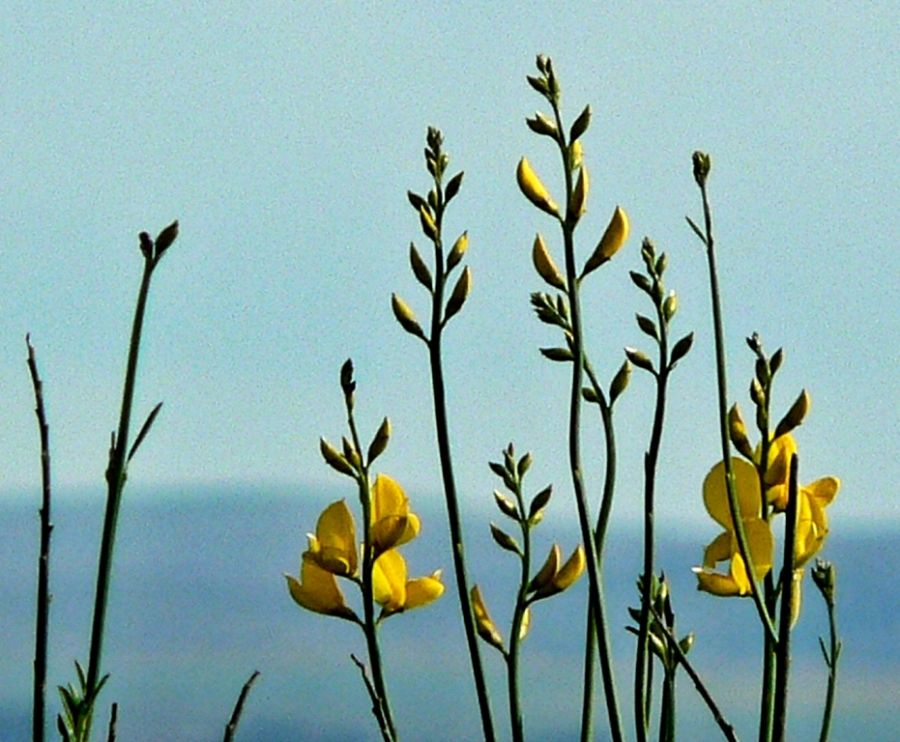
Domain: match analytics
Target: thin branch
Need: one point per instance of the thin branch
(232, 725)
(42, 621)
(727, 730)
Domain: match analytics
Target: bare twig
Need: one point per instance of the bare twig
(43, 593)
(232, 725)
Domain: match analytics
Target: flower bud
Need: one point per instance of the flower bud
(487, 630)
(610, 243)
(737, 430)
(533, 189)
(457, 251)
(795, 415)
(578, 204)
(406, 317)
(544, 265)
(702, 164)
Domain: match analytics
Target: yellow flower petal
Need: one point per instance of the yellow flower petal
(778, 471)
(317, 590)
(424, 590)
(715, 494)
(392, 522)
(334, 545)
(389, 581)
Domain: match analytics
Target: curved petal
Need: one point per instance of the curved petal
(715, 494)
(716, 583)
(389, 581)
(392, 522)
(778, 471)
(719, 550)
(334, 546)
(823, 491)
(318, 591)
(424, 590)
(779, 464)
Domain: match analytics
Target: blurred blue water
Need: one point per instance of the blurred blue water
(199, 602)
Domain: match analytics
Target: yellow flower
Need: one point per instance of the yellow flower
(333, 547)
(317, 590)
(812, 523)
(394, 592)
(778, 471)
(392, 522)
(725, 546)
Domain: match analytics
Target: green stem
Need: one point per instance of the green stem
(667, 714)
(734, 506)
(450, 495)
(43, 594)
(600, 631)
(783, 655)
(587, 698)
(575, 465)
(726, 728)
(370, 624)
(832, 662)
(651, 458)
(512, 657)
(115, 478)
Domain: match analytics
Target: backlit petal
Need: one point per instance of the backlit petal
(336, 540)
(424, 590)
(317, 590)
(389, 581)
(715, 494)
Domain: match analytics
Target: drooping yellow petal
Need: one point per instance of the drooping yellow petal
(389, 581)
(725, 546)
(719, 550)
(715, 494)
(317, 590)
(392, 522)
(423, 590)
(823, 491)
(334, 545)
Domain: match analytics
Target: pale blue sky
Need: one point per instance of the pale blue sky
(284, 137)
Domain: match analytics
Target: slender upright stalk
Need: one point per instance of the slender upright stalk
(575, 465)
(449, 480)
(667, 716)
(119, 456)
(370, 624)
(43, 591)
(115, 478)
(593, 570)
(609, 481)
(456, 534)
(743, 544)
(783, 655)
(642, 660)
(512, 656)
(831, 660)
